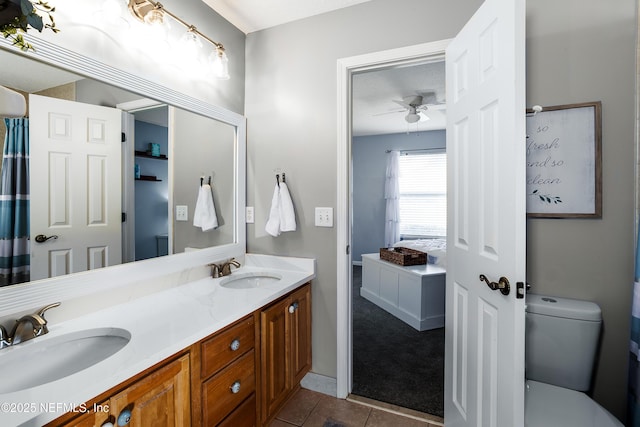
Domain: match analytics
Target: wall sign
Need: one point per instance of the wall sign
(564, 157)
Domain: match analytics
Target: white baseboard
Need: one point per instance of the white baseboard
(320, 383)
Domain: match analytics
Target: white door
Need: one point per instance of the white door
(75, 185)
(484, 368)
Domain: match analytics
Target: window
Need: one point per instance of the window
(423, 195)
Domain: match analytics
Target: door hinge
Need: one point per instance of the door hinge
(348, 249)
(123, 137)
(124, 217)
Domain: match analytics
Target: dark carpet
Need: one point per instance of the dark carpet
(392, 362)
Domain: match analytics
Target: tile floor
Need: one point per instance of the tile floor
(311, 409)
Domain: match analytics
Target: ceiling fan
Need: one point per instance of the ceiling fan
(415, 105)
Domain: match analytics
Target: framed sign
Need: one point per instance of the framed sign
(564, 161)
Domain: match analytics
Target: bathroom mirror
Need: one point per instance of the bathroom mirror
(195, 139)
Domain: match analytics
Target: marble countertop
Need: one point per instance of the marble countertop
(161, 324)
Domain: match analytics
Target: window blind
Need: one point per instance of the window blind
(423, 194)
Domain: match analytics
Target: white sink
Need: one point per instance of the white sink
(250, 280)
(35, 362)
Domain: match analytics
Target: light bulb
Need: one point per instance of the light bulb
(154, 16)
(190, 40)
(412, 117)
(220, 64)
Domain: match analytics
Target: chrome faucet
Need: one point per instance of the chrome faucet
(26, 328)
(224, 269)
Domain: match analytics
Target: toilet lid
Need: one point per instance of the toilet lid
(548, 405)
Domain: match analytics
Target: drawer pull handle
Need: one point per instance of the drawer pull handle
(124, 417)
(235, 345)
(235, 387)
(293, 307)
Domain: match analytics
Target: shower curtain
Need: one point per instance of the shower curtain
(14, 204)
(392, 198)
(633, 406)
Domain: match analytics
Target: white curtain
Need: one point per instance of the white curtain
(392, 199)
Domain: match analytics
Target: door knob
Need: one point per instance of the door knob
(502, 285)
(41, 238)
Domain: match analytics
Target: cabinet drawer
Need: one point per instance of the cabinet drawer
(218, 396)
(221, 349)
(244, 415)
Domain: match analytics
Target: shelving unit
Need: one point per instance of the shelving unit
(149, 156)
(145, 154)
(148, 178)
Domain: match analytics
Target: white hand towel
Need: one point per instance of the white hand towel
(204, 215)
(273, 223)
(287, 213)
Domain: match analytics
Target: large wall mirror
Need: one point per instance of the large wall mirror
(173, 146)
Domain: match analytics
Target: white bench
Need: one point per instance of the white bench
(414, 294)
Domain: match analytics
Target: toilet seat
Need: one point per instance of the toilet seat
(547, 405)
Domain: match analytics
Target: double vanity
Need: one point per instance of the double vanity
(192, 351)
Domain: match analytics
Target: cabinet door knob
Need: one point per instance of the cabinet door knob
(124, 417)
(293, 307)
(107, 424)
(235, 387)
(235, 345)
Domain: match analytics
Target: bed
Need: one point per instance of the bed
(414, 294)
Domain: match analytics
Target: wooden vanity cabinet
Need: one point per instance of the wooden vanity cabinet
(158, 397)
(239, 376)
(285, 337)
(223, 377)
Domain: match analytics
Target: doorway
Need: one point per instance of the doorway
(347, 68)
(398, 312)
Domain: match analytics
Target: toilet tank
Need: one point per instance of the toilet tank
(561, 340)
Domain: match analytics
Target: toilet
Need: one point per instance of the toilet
(561, 342)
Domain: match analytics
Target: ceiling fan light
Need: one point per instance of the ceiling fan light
(412, 117)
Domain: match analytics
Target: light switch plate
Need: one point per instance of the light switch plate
(324, 217)
(182, 213)
(249, 215)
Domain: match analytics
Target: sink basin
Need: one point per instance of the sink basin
(249, 280)
(35, 362)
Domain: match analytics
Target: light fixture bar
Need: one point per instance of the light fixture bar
(140, 8)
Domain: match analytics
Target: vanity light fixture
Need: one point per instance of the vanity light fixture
(154, 13)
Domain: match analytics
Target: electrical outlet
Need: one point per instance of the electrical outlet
(324, 217)
(182, 213)
(249, 215)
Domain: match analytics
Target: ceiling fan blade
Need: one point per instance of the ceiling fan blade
(390, 112)
(404, 104)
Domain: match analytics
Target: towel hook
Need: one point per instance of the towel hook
(278, 180)
(209, 180)
(201, 180)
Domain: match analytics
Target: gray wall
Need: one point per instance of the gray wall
(369, 163)
(580, 51)
(291, 118)
(577, 51)
(203, 147)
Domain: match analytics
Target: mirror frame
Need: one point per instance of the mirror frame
(16, 298)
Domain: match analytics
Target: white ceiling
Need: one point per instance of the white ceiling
(31, 76)
(374, 111)
(255, 15)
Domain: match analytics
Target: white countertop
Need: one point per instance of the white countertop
(161, 324)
